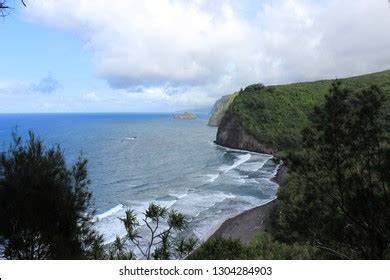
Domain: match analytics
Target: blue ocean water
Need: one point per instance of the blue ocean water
(135, 159)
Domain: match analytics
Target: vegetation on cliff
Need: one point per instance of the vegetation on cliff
(335, 203)
(276, 115)
(337, 196)
(220, 108)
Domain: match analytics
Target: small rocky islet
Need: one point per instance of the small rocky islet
(185, 116)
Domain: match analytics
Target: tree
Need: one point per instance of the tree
(97, 249)
(118, 250)
(163, 226)
(219, 248)
(45, 208)
(4, 7)
(262, 247)
(337, 196)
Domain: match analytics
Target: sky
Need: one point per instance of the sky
(172, 55)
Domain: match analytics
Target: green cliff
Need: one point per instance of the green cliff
(219, 109)
(270, 119)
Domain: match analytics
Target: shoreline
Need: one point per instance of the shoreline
(246, 225)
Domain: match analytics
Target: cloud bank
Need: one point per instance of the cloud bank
(191, 52)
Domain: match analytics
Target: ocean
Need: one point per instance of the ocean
(136, 159)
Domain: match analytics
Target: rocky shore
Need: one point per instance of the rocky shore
(248, 224)
(245, 226)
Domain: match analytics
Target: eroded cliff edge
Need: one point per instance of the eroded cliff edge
(232, 134)
(270, 119)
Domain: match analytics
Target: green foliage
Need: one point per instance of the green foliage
(337, 195)
(163, 242)
(44, 206)
(219, 248)
(97, 250)
(118, 251)
(254, 87)
(276, 115)
(263, 247)
(229, 100)
(184, 246)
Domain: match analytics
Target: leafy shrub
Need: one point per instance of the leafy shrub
(219, 248)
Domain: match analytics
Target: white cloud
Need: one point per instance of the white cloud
(189, 52)
(152, 42)
(91, 97)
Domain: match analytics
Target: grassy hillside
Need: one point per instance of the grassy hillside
(275, 115)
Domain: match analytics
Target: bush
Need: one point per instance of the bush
(265, 247)
(219, 248)
(44, 205)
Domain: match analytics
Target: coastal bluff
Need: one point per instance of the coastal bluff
(270, 119)
(185, 116)
(219, 109)
(233, 134)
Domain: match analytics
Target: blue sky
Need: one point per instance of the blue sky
(33, 53)
(171, 55)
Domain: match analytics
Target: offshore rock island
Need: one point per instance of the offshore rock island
(185, 116)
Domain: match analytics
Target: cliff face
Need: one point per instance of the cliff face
(219, 109)
(271, 119)
(232, 134)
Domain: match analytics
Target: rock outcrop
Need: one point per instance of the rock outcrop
(232, 134)
(185, 116)
(219, 109)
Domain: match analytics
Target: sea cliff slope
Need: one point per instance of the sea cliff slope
(270, 119)
(219, 109)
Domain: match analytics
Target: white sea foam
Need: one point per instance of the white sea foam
(254, 166)
(179, 195)
(276, 169)
(167, 203)
(251, 181)
(212, 177)
(242, 151)
(198, 204)
(195, 203)
(109, 212)
(109, 225)
(128, 139)
(241, 160)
